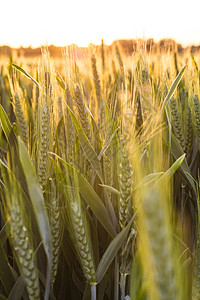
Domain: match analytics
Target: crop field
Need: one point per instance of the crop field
(99, 176)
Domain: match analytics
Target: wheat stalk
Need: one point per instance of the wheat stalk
(36, 95)
(121, 65)
(102, 56)
(114, 71)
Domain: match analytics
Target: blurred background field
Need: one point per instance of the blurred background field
(99, 176)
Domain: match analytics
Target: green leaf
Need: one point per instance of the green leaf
(150, 178)
(14, 162)
(195, 64)
(58, 130)
(177, 152)
(39, 209)
(111, 252)
(25, 73)
(5, 122)
(4, 233)
(173, 87)
(95, 131)
(170, 172)
(110, 189)
(18, 290)
(10, 136)
(90, 197)
(87, 147)
(107, 144)
(61, 81)
(6, 275)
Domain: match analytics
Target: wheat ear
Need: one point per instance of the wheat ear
(98, 91)
(83, 245)
(125, 184)
(177, 126)
(24, 253)
(196, 106)
(82, 112)
(102, 56)
(188, 129)
(21, 119)
(44, 147)
(55, 231)
(69, 127)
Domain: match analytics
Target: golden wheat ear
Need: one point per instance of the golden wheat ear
(83, 116)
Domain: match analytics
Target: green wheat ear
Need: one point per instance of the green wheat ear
(83, 243)
(82, 112)
(125, 184)
(177, 126)
(69, 127)
(188, 129)
(21, 119)
(98, 91)
(96, 80)
(196, 107)
(36, 95)
(79, 229)
(55, 224)
(44, 147)
(24, 253)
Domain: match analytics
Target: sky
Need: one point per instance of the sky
(63, 22)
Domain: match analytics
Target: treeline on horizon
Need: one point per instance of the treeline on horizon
(128, 46)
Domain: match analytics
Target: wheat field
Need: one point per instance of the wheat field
(99, 176)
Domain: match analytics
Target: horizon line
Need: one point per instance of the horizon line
(184, 45)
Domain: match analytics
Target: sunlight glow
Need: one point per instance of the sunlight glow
(64, 22)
